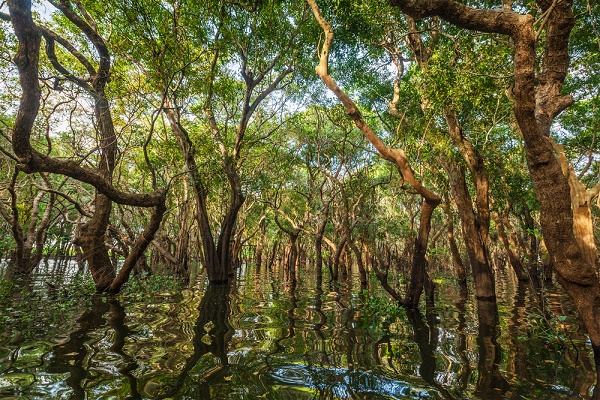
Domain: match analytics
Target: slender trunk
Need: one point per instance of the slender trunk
(361, 267)
(474, 233)
(394, 155)
(319, 256)
(273, 254)
(510, 246)
(418, 274)
(547, 267)
(228, 225)
(259, 245)
(381, 265)
(457, 261)
(215, 271)
(138, 249)
(533, 247)
(293, 258)
(337, 257)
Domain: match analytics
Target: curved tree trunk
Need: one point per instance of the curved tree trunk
(214, 271)
(27, 60)
(418, 274)
(538, 100)
(92, 240)
(29, 244)
(395, 156)
(361, 266)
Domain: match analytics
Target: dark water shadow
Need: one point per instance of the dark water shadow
(212, 334)
(426, 336)
(116, 321)
(490, 382)
(464, 373)
(68, 357)
(290, 289)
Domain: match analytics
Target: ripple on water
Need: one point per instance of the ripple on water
(345, 384)
(279, 344)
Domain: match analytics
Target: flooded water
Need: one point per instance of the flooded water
(264, 339)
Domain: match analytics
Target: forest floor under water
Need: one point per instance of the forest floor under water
(263, 338)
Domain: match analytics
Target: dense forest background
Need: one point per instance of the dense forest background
(434, 138)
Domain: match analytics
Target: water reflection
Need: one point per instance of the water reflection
(268, 338)
(426, 338)
(337, 383)
(212, 334)
(121, 333)
(68, 357)
(490, 382)
(77, 357)
(464, 372)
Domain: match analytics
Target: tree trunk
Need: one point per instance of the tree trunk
(258, 255)
(538, 100)
(215, 271)
(581, 201)
(461, 272)
(25, 259)
(584, 232)
(30, 160)
(418, 273)
(337, 257)
(472, 227)
(92, 240)
(361, 266)
(511, 247)
(394, 155)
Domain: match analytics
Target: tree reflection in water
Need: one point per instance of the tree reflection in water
(68, 357)
(212, 334)
(73, 357)
(490, 382)
(293, 341)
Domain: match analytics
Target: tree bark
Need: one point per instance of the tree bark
(27, 59)
(292, 258)
(581, 201)
(538, 100)
(395, 156)
(459, 266)
(418, 273)
(510, 246)
(474, 238)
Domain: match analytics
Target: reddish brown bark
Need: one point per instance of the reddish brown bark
(581, 201)
(473, 233)
(538, 100)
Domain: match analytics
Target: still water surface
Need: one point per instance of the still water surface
(264, 339)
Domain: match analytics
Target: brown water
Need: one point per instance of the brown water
(263, 339)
